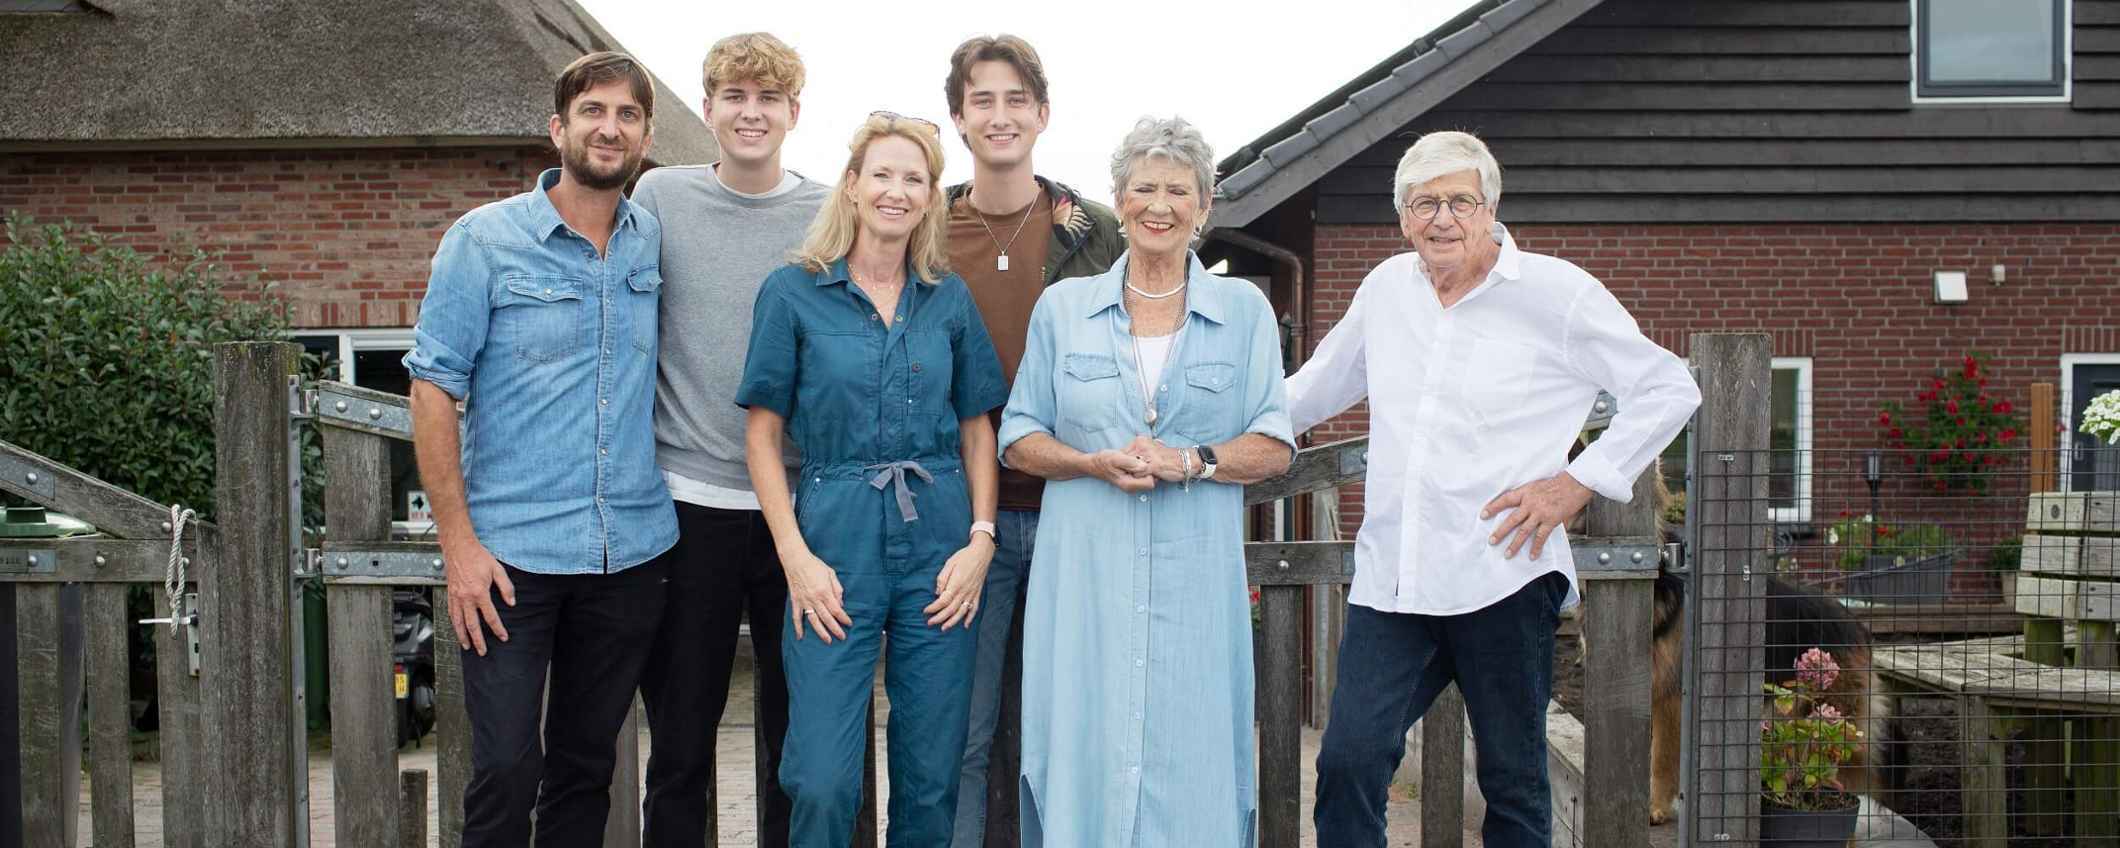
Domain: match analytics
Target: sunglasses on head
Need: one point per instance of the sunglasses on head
(894, 116)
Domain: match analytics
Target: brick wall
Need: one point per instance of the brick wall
(344, 235)
(1856, 298)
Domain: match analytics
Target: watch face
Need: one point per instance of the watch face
(1207, 454)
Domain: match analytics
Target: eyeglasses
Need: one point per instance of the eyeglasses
(894, 116)
(1461, 207)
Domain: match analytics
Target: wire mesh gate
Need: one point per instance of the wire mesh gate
(1925, 624)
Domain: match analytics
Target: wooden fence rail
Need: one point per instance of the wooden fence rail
(233, 747)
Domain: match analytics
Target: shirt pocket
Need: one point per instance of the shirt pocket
(643, 307)
(1208, 412)
(540, 317)
(1497, 378)
(1088, 393)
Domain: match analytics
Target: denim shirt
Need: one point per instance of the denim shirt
(552, 348)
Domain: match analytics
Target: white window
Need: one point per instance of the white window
(1788, 444)
(1789, 441)
(374, 359)
(1991, 51)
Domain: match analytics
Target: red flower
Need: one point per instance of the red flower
(2008, 433)
(1937, 384)
(1983, 381)
(1969, 363)
(1980, 438)
(1895, 433)
(1951, 406)
(1939, 455)
(1966, 457)
(2004, 407)
(1884, 419)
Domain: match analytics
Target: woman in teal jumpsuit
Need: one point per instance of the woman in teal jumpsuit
(873, 358)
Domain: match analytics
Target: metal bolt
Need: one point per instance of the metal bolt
(100, 561)
(340, 564)
(165, 526)
(436, 563)
(1602, 406)
(1604, 557)
(339, 406)
(375, 412)
(31, 477)
(33, 560)
(1282, 564)
(1637, 557)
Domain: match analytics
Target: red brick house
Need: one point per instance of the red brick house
(318, 147)
(1801, 169)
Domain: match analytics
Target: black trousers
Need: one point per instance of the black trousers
(723, 567)
(592, 631)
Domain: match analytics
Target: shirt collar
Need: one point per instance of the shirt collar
(1202, 296)
(545, 219)
(1510, 264)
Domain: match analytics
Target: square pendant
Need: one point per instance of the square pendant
(1001, 262)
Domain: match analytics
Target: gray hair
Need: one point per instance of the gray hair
(1171, 138)
(1439, 154)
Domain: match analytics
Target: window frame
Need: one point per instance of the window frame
(2065, 400)
(1800, 513)
(351, 340)
(1926, 91)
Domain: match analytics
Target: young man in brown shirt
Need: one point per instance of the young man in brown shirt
(1011, 234)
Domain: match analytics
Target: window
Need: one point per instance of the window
(1788, 444)
(373, 359)
(1991, 49)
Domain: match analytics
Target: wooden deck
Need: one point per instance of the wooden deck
(1992, 668)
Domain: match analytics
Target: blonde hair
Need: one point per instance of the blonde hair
(831, 234)
(756, 56)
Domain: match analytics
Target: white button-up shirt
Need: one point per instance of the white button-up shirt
(1468, 402)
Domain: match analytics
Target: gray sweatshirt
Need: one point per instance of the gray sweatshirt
(717, 247)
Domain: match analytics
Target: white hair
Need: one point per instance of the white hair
(1170, 138)
(1439, 154)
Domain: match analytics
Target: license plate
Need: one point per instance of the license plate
(404, 685)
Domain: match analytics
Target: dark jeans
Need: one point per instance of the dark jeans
(723, 568)
(592, 632)
(1392, 667)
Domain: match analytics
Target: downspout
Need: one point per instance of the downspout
(1299, 299)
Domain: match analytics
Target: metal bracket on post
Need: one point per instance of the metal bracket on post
(30, 561)
(412, 565)
(332, 405)
(187, 617)
(1354, 461)
(1601, 411)
(26, 476)
(1616, 555)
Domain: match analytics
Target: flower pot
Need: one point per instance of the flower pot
(1915, 581)
(2009, 587)
(1786, 828)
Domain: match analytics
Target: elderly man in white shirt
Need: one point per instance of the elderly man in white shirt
(1480, 362)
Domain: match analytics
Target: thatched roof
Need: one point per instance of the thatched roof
(132, 73)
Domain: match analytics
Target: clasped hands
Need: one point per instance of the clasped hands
(1137, 467)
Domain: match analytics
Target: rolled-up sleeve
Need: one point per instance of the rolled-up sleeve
(453, 314)
(976, 385)
(1265, 393)
(1031, 405)
(1656, 393)
(1337, 375)
(771, 364)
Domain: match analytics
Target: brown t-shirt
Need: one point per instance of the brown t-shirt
(1005, 298)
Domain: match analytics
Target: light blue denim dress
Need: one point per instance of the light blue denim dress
(1137, 679)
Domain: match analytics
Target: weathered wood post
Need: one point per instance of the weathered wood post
(1618, 589)
(255, 755)
(109, 671)
(412, 809)
(1733, 539)
(363, 693)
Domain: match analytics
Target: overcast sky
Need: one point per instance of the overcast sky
(1234, 74)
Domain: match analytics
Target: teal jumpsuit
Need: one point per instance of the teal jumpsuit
(882, 499)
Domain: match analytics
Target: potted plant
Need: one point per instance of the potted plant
(2102, 417)
(1957, 432)
(1888, 563)
(2004, 560)
(1803, 743)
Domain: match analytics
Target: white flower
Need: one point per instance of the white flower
(2102, 417)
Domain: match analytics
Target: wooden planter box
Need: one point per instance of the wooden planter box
(1918, 581)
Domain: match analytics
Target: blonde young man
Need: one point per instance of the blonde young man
(727, 225)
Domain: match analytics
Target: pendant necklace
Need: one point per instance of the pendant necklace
(1001, 258)
(1177, 337)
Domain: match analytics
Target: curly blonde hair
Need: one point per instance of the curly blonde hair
(756, 56)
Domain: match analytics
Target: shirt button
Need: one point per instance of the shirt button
(548, 291)
(603, 451)
(1140, 608)
(603, 401)
(599, 498)
(1142, 551)
(1144, 499)
(1137, 664)
(1163, 388)
(1133, 769)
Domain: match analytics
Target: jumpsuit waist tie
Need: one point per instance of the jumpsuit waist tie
(893, 474)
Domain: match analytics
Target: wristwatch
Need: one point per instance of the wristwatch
(986, 527)
(1207, 461)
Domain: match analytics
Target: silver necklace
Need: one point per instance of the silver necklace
(1001, 258)
(1177, 337)
(1129, 278)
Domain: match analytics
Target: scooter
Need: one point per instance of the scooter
(412, 626)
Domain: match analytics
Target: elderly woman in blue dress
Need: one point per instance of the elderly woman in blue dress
(1148, 396)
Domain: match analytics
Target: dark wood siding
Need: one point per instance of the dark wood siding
(1658, 111)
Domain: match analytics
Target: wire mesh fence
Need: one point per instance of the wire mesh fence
(1934, 643)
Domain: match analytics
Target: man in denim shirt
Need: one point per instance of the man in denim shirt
(541, 316)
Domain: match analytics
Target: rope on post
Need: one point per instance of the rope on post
(173, 577)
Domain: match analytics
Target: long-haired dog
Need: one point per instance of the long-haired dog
(1797, 619)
